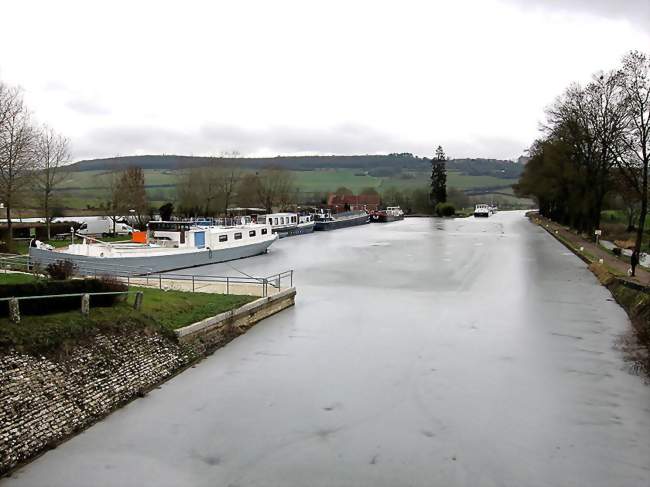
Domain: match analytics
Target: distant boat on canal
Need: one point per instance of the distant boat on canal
(390, 214)
(483, 210)
(288, 224)
(326, 220)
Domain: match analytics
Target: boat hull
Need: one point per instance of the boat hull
(290, 232)
(385, 218)
(141, 265)
(336, 224)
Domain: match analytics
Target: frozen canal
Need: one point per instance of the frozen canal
(427, 353)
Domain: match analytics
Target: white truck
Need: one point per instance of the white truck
(100, 226)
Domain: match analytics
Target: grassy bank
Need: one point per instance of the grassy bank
(162, 311)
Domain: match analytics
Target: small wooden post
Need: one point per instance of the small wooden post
(227, 285)
(14, 310)
(138, 300)
(85, 304)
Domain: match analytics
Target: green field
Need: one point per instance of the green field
(89, 188)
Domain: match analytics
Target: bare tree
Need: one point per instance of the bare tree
(17, 137)
(228, 181)
(113, 204)
(275, 187)
(133, 196)
(51, 152)
(591, 121)
(634, 148)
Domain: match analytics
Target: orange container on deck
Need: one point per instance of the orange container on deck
(139, 237)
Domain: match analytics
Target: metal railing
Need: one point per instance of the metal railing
(143, 276)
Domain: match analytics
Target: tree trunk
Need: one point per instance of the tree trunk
(643, 212)
(10, 231)
(47, 216)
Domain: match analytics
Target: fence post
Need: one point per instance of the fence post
(128, 280)
(192, 282)
(264, 288)
(160, 280)
(14, 310)
(138, 300)
(227, 285)
(291, 281)
(85, 304)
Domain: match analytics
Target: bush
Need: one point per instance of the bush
(445, 209)
(56, 305)
(616, 251)
(61, 269)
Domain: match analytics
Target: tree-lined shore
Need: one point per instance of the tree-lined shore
(594, 151)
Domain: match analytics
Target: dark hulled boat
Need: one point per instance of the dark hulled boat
(325, 220)
(390, 214)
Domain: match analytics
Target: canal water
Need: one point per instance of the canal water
(462, 352)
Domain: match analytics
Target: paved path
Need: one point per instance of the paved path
(469, 352)
(620, 265)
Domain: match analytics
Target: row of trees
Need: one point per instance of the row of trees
(211, 190)
(596, 141)
(32, 156)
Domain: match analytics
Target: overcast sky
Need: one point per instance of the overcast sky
(308, 77)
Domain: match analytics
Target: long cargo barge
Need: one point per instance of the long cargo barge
(325, 220)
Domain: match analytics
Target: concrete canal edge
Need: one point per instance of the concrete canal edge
(632, 296)
(211, 332)
(46, 400)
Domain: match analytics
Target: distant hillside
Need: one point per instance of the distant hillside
(384, 164)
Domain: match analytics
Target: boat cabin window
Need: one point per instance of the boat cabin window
(223, 238)
(263, 231)
(238, 236)
(276, 221)
(293, 219)
(251, 233)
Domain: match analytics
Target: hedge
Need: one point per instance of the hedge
(56, 305)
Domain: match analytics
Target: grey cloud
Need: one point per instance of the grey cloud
(86, 106)
(636, 12)
(281, 140)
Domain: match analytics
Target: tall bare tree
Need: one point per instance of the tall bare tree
(113, 207)
(51, 152)
(17, 137)
(275, 187)
(133, 196)
(590, 120)
(634, 148)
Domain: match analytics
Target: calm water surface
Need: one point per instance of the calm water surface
(424, 352)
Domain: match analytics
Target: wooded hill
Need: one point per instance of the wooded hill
(376, 165)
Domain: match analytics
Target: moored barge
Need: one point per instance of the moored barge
(390, 214)
(326, 220)
(168, 246)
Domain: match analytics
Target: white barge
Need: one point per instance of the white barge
(168, 246)
(288, 224)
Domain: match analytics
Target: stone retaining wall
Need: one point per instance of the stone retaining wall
(44, 400)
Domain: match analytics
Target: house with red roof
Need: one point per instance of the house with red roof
(347, 202)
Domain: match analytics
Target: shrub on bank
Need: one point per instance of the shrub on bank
(56, 305)
(445, 209)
